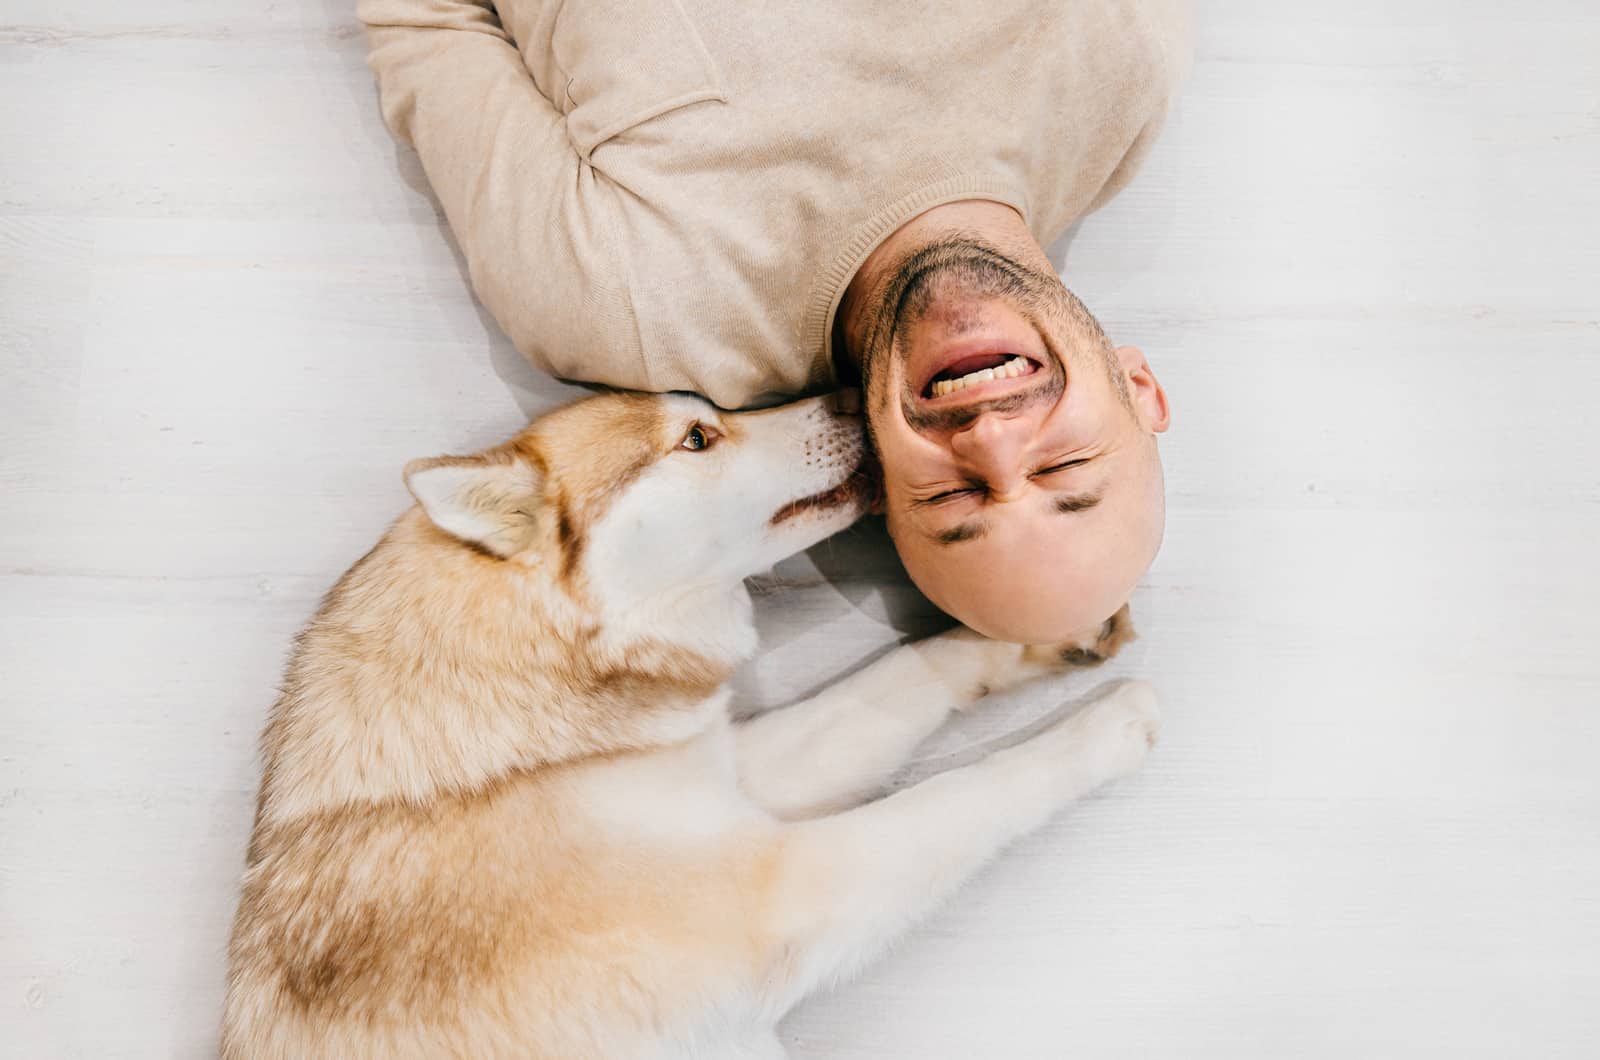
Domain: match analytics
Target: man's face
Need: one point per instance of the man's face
(1022, 486)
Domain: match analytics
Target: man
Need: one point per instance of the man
(754, 200)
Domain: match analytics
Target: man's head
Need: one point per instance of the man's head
(1022, 485)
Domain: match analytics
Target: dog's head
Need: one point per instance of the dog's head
(632, 499)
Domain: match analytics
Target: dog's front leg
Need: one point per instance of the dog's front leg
(848, 884)
(838, 747)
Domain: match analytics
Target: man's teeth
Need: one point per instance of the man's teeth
(1009, 370)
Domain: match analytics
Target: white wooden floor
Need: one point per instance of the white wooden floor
(1366, 262)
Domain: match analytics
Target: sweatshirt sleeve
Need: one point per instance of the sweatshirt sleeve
(453, 85)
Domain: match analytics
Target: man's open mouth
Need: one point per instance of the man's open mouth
(981, 375)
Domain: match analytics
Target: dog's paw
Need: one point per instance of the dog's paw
(1110, 736)
(973, 666)
(1090, 648)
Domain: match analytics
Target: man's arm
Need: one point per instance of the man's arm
(454, 86)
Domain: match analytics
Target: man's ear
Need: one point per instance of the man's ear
(1144, 390)
(484, 501)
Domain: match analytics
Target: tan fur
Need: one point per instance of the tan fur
(1094, 649)
(461, 846)
(483, 922)
(410, 850)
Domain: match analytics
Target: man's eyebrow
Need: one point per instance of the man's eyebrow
(1076, 502)
(967, 531)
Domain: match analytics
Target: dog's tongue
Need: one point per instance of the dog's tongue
(968, 365)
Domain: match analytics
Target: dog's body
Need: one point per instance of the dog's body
(505, 812)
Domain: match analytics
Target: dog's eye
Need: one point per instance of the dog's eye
(699, 437)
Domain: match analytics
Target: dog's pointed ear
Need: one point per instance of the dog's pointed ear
(486, 501)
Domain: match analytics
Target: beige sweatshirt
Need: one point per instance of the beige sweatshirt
(674, 194)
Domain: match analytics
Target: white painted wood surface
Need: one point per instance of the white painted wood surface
(1365, 260)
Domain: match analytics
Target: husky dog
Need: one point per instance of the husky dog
(505, 812)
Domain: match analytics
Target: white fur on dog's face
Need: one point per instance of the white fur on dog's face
(767, 485)
(654, 508)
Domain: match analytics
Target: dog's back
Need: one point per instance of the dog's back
(525, 920)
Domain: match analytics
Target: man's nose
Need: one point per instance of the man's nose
(991, 447)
